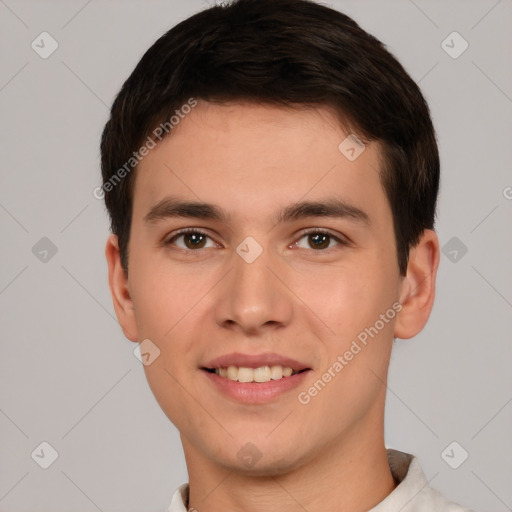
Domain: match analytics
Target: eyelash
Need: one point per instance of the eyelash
(310, 231)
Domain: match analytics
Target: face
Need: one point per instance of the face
(264, 282)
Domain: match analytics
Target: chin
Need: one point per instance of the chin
(269, 461)
(263, 468)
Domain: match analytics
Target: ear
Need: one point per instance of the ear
(418, 286)
(118, 282)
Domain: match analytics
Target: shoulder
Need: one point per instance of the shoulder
(413, 492)
(430, 499)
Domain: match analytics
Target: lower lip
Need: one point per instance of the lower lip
(256, 392)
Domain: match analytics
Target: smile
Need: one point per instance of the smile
(260, 375)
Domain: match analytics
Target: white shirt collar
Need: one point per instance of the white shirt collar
(412, 494)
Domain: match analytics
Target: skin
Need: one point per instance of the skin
(294, 299)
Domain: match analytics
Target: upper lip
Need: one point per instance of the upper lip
(255, 361)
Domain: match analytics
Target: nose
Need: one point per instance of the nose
(252, 298)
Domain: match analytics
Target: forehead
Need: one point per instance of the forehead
(253, 157)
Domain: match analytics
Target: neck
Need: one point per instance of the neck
(350, 475)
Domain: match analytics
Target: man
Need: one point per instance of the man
(271, 173)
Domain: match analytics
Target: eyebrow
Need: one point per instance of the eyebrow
(336, 208)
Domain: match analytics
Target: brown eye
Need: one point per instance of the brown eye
(319, 240)
(194, 240)
(190, 240)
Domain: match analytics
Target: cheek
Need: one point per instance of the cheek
(169, 309)
(346, 298)
(358, 341)
(163, 297)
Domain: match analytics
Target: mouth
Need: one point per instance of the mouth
(255, 379)
(258, 375)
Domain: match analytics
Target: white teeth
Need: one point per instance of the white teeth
(261, 374)
(276, 372)
(245, 374)
(287, 372)
(232, 373)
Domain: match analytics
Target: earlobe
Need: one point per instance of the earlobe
(119, 289)
(418, 286)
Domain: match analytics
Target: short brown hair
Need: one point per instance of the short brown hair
(281, 52)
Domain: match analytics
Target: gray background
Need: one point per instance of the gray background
(67, 374)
